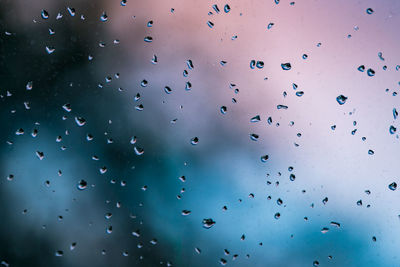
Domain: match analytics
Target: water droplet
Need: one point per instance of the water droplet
(154, 60)
(270, 25)
(395, 113)
(186, 212)
(148, 39)
(252, 64)
(292, 177)
(59, 253)
(72, 246)
(315, 263)
(300, 93)
(109, 230)
(71, 11)
(150, 24)
(167, 89)
(143, 83)
(341, 99)
(104, 17)
(324, 230)
(198, 251)
(188, 86)
(50, 50)
(208, 223)
(223, 110)
(103, 170)
(215, 7)
(277, 1)
(264, 158)
(254, 136)
(279, 201)
(189, 63)
(210, 24)
(305, 56)
(82, 184)
(286, 66)
(277, 215)
(260, 64)
(361, 68)
(138, 151)
(227, 8)
(393, 186)
(325, 200)
(45, 14)
(40, 155)
(281, 107)
(222, 262)
(374, 238)
(371, 152)
(255, 118)
(392, 129)
(269, 120)
(80, 121)
(194, 140)
(369, 11)
(370, 72)
(123, 2)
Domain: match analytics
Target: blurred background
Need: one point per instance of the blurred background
(199, 133)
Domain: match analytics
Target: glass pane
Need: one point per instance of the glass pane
(197, 133)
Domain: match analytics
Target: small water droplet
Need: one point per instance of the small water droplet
(138, 151)
(50, 50)
(277, 215)
(227, 8)
(369, 11)
(194, 140)
(255, 118)
(80, 121)
(59, 253)
(82, 185)
(123, 2)
(185, 212)
(148, 39)
(189, 63)
(150, 24)
(167, 90)
(281, 107)
(260, 64)
(371, 152)
(208, 223)
(395, 113)
(254, 136)
(215, 7)
(361, 68)
(44, 14)
(286, 66)
(341, 99)
(71, 11)
(223, 110)
(270, 25)
(393, 186)
(392, 129)
(324, 230)
(305, 56)
(300, 93)
(264, 158)
(370, 72)
(104, 17)
(210, 24)
(144, 83)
